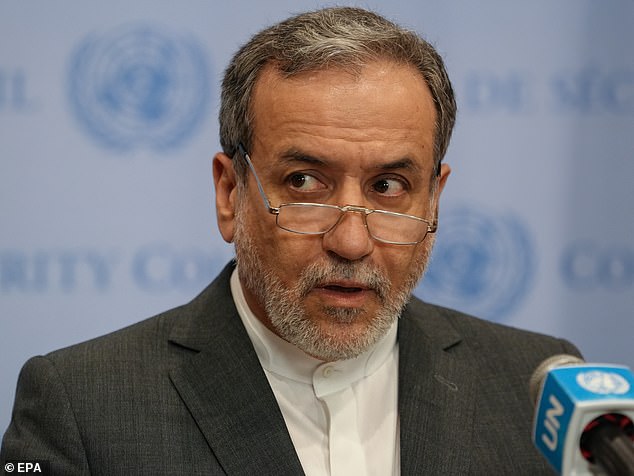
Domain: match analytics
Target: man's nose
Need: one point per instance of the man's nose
(349, 238)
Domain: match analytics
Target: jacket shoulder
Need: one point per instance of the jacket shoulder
(194, 323)
(488, 338)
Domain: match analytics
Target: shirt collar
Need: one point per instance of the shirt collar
(282, 358)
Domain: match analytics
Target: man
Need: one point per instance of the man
(309, 355)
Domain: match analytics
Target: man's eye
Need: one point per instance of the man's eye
(389, 186)
(305, 182)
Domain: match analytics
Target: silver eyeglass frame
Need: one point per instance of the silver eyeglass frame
(431, 226)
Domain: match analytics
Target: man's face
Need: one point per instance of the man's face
(343, 139)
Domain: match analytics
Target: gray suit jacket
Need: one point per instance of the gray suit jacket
(183, 393)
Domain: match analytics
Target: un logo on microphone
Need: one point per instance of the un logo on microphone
(139, 87)
(482, 263)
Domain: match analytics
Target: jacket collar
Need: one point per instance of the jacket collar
(226, 390)
(436, 388)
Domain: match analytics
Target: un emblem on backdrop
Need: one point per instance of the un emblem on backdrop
(482, 263)
(139, 87)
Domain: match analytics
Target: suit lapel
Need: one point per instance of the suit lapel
(226, 390)
(436, 388)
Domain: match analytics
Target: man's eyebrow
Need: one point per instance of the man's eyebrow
(405, 163)
(293, 156)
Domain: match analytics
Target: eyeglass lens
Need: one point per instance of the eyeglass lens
(316, 219)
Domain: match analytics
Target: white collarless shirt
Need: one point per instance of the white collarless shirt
(342, 416)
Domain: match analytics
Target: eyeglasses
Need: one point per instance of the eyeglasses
(318, 218)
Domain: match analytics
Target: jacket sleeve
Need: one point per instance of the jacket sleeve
(43, 426)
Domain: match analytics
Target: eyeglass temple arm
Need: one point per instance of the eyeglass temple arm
(245, 154)
(433, 226)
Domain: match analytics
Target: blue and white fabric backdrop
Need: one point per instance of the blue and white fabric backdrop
(108, 125)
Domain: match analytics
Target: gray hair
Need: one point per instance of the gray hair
(332, 37)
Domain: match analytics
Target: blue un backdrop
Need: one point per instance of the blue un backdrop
(108, 124)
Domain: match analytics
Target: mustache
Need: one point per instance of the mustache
(320, 273)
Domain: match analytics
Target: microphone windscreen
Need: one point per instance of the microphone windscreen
(539, 375)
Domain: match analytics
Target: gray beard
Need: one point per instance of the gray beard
(286, 312)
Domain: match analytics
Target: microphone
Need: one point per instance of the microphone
(584, 416)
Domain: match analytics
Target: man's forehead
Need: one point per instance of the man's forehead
(379, 88)
(383, 118)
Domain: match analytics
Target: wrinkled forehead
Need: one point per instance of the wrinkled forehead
(383, 104)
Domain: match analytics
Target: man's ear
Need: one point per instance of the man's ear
(226, 193)
(445, 170)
